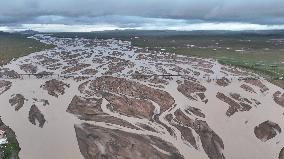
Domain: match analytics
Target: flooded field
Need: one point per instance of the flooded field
(104, 98)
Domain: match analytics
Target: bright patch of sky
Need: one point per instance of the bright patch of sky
(178, 27)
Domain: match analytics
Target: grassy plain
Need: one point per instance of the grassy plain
(16, 45)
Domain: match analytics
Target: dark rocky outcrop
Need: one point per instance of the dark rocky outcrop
(281, 154)
(189, 89)
(43, 74)
(90, 109)
(234, 106)
(43, 101)
(7, 73)
(29, 68)
(211, 142)
(85, 106)
(278, 97)
(75, 67)
(187, 135)
(223, 82)
(89, 72)
(267, 130)
(258, 84)
(55, 87)
(195, 111)
(102, 143)
(121, 86)
(247, 88)
(139, 108)
(4, 86)
(36, 115)
(17, 101)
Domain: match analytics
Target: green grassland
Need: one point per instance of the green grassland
(16, 45)
(12, 148)
(261, 55)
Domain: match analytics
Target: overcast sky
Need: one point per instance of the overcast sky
(89, 15)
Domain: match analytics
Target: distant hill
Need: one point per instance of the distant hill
(121, 34)
(3, 33)
(28, 32)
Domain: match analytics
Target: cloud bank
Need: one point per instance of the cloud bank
(156, 14)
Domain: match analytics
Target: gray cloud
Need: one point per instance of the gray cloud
(127, 13)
